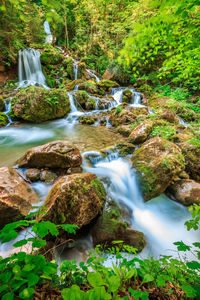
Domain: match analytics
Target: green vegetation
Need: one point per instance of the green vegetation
(22, 274)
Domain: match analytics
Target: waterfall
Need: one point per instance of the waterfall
(7, 103)
(93, 75)
(161, 219)
(29, 68)
(49, 37)
(75, 65)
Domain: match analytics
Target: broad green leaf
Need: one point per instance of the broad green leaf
(20, 243)
(26, 293)
(95, 279)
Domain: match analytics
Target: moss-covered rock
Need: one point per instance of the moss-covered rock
(127, 96)
(51, 58)
(89, 86)
(158, 163)
(110, 228)
(124, 130)
(75, 199)
(186, 191)
(121, 116)
(88, 120)
(106, 86)
(84, 101)
(3, 120)
(2, 105)
(36, 104)
(141, 132)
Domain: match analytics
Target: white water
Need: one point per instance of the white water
(161, 219)
(117, 94)
(49, 37)
(29, 69)
(93, 75)
(75, 66)
(7, 103)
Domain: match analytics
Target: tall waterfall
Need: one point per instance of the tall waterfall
(29, 68)
(49, 37)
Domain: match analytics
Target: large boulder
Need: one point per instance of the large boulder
(75, 199)
(56, 154)
(3, 120)
(84, 101)
(141, 132)
(159, 162)
(37, 104)
(16, 196)
(186, 191)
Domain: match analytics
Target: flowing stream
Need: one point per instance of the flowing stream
(161, 220)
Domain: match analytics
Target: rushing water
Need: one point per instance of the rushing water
(29, 68)
(47, 30)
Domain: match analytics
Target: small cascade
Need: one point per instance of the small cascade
(7, 103)
(29, 69)
(136, 98)
(93, 75)
(157, 218)
(75, 66)
(49, 36)
(72, 118)
(117, 94)
(182, 122)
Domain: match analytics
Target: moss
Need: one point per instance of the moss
(99, 188)
(2, 105)
(3, 120)
(51, 58)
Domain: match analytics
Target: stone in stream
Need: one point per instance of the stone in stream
(186, 191)
(56, 154)
(124, 130)
(159, 162)
(75, 199)
(33, 174)
(105, 86)
(110, 227)
(37, 104)
(16, 196)
(141, 132)
(127, 96)
(89, 86)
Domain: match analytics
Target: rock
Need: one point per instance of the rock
(88, 86)
(2, 105)
(191, 153)
(127, 96)
(16, 196)
(121, 116)
(110, 227)
(47, 176)
(124, 130)
(56, 154)
(75, 199)
(169, 116)
(140, 133)
(158, 162)
(33, 174)
(125, 148)
(69, 86)
(37, 104)
(88, 120)
(105, 86)
(84, 101)
(3, 120)
(186, 191)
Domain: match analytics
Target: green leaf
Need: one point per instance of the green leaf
(182, 246)
(113, 283)
(95, 279)
(189, 290)
(20, 243)
(147, 278)
(26, 293)
(32, 279)
(195, 265)
(8, 296)
(16, 269)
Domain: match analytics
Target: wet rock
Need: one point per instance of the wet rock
(121, 116)
(75, 199)
(48, 176)
(186, 191)
(37, 104)
(158, 162)
(169, 116)
(16, 196)
(127, 96)
(3, 120)
(56, 154)
(105, 86)
(71, 85)
(88, 120)
(89, 86)
(33, 174)
(125, 148)
(191, 153)
(141, 132)
(124, 130)
(104, 103)
(84, 101)
(2, 105)
(110, 227)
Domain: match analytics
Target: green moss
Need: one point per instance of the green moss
(99, 188)
(3, 120)
(51, 58)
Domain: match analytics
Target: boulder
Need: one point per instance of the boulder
(110, 228)
(56, 154)
(124, 130)
(88, 120)
(158, 163)
(3, 120)
(169, 116)
(141, 132)
(186, 191)
(191, 153)
(48, 176)
(88, 86)
(127, 96)
(84, 101)
(105, 86)
(37, 104)
(75, 199)
(121, 116)
(69, 86)
(16, 196)
(2, 105)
